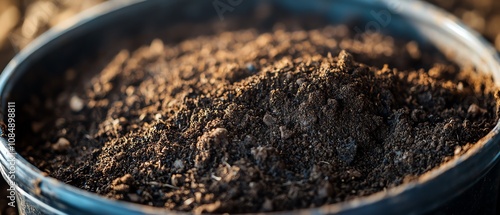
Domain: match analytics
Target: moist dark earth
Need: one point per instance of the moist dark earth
(258, 120)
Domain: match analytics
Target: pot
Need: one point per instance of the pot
(466, 185)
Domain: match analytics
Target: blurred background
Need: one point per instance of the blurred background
(24, 20)
(482, 15)
(21, 21)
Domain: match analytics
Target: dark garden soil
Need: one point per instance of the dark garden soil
(259, 120)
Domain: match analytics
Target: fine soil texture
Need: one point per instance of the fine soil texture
(259, 120)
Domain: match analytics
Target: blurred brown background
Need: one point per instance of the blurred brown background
(23, 20)
(481, 15)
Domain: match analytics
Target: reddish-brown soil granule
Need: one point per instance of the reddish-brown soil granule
(251, 120)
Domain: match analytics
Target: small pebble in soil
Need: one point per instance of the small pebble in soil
(251, 67)
(62, 144)
(474, 110)
(178, 164)
(76, 103)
